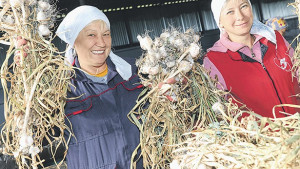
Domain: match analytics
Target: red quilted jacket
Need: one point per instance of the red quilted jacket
(260, 86)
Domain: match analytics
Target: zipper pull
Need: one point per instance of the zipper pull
(262, 64)
(252, 53)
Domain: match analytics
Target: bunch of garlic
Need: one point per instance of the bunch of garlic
(164, 55)
(45, 16)
(17, 3)
(27, 146)
(165, 50)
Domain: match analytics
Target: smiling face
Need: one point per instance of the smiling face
(93, 45)
(236, 18)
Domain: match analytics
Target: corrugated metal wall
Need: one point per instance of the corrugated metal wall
(154, 20)
(278, 8)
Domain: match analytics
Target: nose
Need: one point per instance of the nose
(239, 15)
(100, 42)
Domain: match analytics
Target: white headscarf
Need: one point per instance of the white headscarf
(257, 27)
(74, 22)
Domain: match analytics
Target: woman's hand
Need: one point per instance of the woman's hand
(165, 86)
(22, 49)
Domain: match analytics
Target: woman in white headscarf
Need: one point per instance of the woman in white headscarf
(251, 60)
(105, 89)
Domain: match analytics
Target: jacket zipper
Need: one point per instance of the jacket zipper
(252, 53)
(262, 64)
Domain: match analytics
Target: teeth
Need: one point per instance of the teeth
(98, 52)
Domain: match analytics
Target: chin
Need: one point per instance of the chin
(243, 31)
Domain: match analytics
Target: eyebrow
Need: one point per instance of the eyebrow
(244, 3)
(89, 30)
(95, 30)
(240, 5)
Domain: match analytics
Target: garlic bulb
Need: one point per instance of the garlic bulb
(25, 141)
(157, 55)
(175, 33)
(162, 51)
(16, 154)
(151, 58)
(252, 126)
(9, 20)
(44, 30)
(16, 3)
(178, 43)
(145, 69)
(2, 3)
(174, 165)
(34, 150)
(41, 16)
(202, 166)
(185, 66)
(194, 50)
(154, 70)
(196, 38)
(164, 72)
(20, 122)
(171, 64)
(218, 108)
(145, 43)
(171, 39)
(165, 35)
(19, 119)
(44, 5)
(157, 42)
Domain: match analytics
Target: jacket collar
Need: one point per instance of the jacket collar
(81, 76)
(224, 44)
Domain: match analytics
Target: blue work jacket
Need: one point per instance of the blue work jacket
(104, 136)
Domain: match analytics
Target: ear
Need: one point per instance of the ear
(221, 26)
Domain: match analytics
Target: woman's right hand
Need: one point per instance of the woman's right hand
(165, 86)
(22, 49)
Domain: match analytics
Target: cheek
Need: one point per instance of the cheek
(224, 19)
(249, 13)
(108, 42)
(224, 22)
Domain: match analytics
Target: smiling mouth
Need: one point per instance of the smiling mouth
(242, 24)
(98, 52)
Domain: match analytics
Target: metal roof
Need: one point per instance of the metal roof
(119, 5)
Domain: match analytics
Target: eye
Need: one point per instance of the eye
(92, 35)
(106, 34)
(244, 6)
(229, 12)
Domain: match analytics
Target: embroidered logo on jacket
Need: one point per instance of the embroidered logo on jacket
(283, 64)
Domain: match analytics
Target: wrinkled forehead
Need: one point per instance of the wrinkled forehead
(97, 25)
(226, 3)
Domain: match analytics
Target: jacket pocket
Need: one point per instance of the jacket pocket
(108, 166)
(77, 107)
(96, 153)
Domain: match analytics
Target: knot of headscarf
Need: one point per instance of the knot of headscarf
(74, 22)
